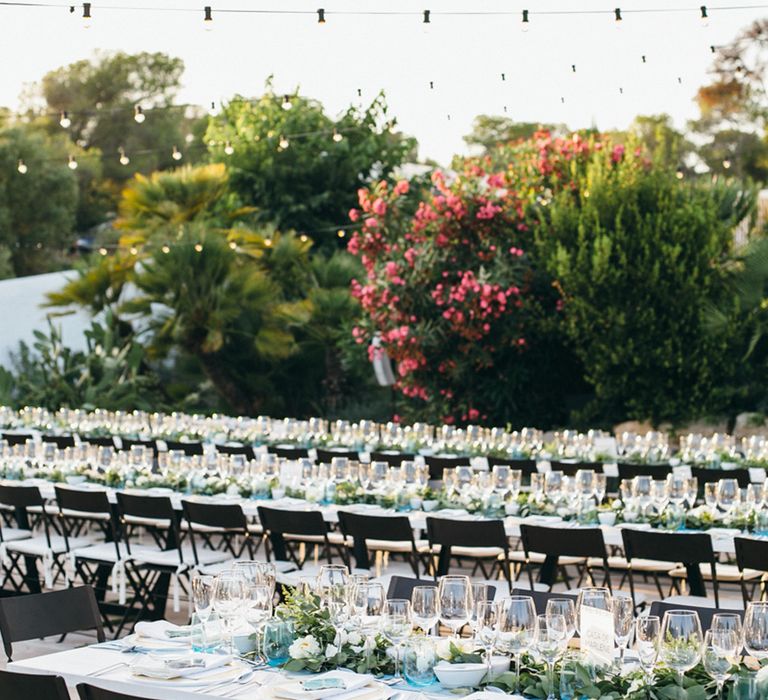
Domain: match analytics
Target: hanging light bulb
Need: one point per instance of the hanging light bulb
(679, 173)
(617, 17)
(228, 148)
(284, 143)
(64, 120)
(233, 245)
(102, 251)
(427, 17)
(321, 16)
(72, 164)
(176, 154)
(134, 250)
(213, 110)
(208, 18)
(166, 249)
(124, 159)
(287, 104)
(337, 137)
(22, 167)
(727, 163)
(704, 16)
(525, 23)
(138, 114)
(87, 15)
(198, 247)
(341, 233)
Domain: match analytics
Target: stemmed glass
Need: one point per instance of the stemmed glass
(228, 597)
(486, 630)
(623, 610)
(424, 607)
(718, 650)
(367, 602)
(648, 641)
(396, 626)
(756, 629)
(332, 584)
(592, 597)
(727, 622)
(551, 640)
(202, 596)
(480, 592)
(566, 608)
(517, 628)
(728, 494)
(600, 485)
(681, 641)
(454, 602)
(642, 492)
(258, 608)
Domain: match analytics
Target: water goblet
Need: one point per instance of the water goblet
(454, 596)
(681, 641)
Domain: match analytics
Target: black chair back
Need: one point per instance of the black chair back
(20, 498)
(393, 459)
(154, 512)
(751, 554)
(541, 598)
(296, 452)
(40, 615)
(325, 456)
(279, 523)
(360, 527)
(14, 439)
(707, 476)
(437, 464)
(401, 587)
(527, 466)
(14, 686)
(190, 449)
(61, 441)
(570, 468)
(100, 441)
(245, 450)
(77, 508)
(659, 607)
(91, 692)
(127, 443)
(225, 519)
(629, 470)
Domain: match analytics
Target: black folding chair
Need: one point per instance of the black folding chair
(384, 533)
(570, 468)
(14, 686)
(91, 692)
(541, 598)
(128, 443)
(437, 464)
(40, 615)
(752, 562)
(553, 543)
(325, 456)
(629, 470)
(14, 439)
(190, 449)
(478, 540)
(401, 587)
(284, 528)
(708, 476)
(659, 607)
(61, 441)
(225, 520)
(393, 459)
(245, 450)
(291, 452)
(100, 441)
(691, 549)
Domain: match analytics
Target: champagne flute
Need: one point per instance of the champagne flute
(424, 606)
(717, 651)
(648, 641)
(396, 626)
(454, 606)
(566, 608)
(517, 628)
(755, 632)
(623, 612)
(486, 630)
(681, 641)
(551, 640)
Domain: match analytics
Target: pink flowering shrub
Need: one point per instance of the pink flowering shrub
(452, 286)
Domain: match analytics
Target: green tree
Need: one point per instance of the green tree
(298, 167)
(489, 131)
(37, 207)
(640, 257)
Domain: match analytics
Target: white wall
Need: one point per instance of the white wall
(21, 313)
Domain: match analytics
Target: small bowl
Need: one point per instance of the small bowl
(499, 665)
(429, 506)
(76, 480)
(606, 517)
(459, 675)
(243, 643)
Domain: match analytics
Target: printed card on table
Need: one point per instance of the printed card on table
(597, 634)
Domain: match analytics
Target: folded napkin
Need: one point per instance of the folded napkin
(354, 684)
(162, 630)
(166, 669)
(724, 531)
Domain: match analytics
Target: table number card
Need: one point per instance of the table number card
(597, 639)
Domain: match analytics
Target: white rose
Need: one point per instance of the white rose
(443, 649)
(304, 648)
(331, 650)
(355, 638)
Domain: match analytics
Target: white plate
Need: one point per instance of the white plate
(223, 674)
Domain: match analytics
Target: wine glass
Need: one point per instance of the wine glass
(642, 492)
(551, 640)
(566, 608)
(258, 608)
(228, 597)
(717, 651)
(710, 495)
(248, 571)
(648, 641)
(727, 622)
(728, 494)
(480, 591)
(677, 489)
(623, 612)
(396, 625)
(681, 641)
(332, 582)
(367, 602)
(592, 597)
(517, 628)
(424, 607)
(486, 629)
(454, 602)
(692, 491)
(755, 632)
(267, 574)
(202, 596)
(600, 485)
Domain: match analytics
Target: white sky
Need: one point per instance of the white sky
(463, 56)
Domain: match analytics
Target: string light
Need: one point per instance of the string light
(431, 85)
(22, 167)
(213, 110)
(643, 57)
(87, 15)
(208, 18)
(134, 250)
(228, 149)
(102, 251)
(72, 164)
(573, 67)
(704, 16)
(321, 16)
(503, 77)
(679, 174)
(284, 143)
(727, 164)
(233, 245)
(268, 242)
(198, 247)
(287, 104)
(124, 159)
(138, 114)
(303, 238)
(525, 23)
(65, 121)
(427, 18)
(337, 137)
(713, 49)
(176, 154)
(617, 16)
(166, 249)
(341, 233)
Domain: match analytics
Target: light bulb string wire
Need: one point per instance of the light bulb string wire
(382, 13)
